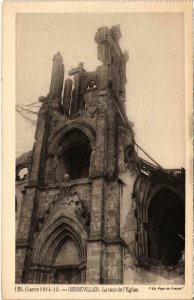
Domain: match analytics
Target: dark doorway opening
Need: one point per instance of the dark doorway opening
(166, 228)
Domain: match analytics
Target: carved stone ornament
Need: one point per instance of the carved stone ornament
(91, 101)
(125, 137)
(67, 196)
(103, 106)
(103, 35)
(95, 159)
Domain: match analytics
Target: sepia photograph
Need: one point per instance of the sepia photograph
(101, 154)
(95, 203)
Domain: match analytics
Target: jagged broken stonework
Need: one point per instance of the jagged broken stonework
(90, 210)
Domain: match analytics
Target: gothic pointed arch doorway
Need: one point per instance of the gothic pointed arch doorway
(160, 215)
(59, 255)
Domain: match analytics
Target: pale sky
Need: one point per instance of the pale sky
(155, 71)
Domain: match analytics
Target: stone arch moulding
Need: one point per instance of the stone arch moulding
(147, 199)
(146, 194)
(52, 236)
(166, 243)
(82, 126)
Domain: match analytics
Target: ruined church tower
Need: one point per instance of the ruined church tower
(78, 219)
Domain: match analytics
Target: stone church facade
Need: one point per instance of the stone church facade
(90, 210)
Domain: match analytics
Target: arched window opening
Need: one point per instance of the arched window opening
(75, 157)
(22, 174)
(166, 228)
